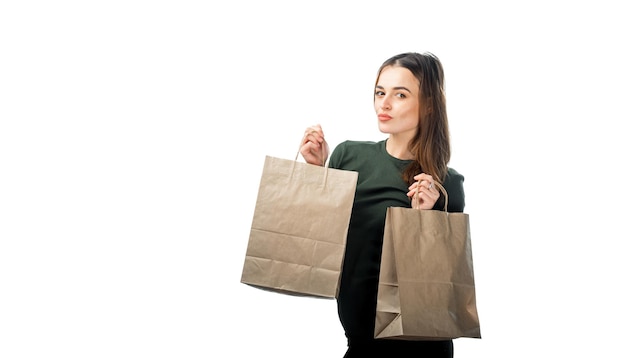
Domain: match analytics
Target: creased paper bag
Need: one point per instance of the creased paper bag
(426, 289)
(298, 232)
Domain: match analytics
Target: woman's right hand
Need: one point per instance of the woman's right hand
(313, 147)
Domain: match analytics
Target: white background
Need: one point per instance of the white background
(133, 133)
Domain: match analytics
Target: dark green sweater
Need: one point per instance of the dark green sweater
(379, 186)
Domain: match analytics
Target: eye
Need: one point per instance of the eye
(401, 95)
(379, 93)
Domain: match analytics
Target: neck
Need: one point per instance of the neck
(399, 148)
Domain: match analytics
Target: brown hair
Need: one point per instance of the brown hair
(431, 144)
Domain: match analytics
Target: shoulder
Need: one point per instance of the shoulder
(350, 150)
(355, 145)
(454, 177)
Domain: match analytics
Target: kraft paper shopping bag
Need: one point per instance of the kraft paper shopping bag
(426, 289)
(298, 232)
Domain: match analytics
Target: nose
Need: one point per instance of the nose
(384, 104)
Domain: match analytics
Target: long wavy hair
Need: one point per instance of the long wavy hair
(431, 144)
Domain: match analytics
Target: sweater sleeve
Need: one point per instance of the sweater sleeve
(456, 195)
(336, 156)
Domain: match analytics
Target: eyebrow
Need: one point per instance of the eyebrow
(396, 88)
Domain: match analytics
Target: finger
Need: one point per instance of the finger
(414, 187)
(423, 185)
(413, 200)
(429, 191)
(430, 185)
(314, 137)
(308, 146)
(420, 200)
(424, 177)
(316, 129)
(430, 196)
(425, 195)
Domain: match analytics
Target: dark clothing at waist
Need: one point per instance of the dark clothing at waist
(399, 349)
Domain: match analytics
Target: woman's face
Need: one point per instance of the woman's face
(396, 101)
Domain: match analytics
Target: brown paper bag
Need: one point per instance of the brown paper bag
(298, 233)
(426, 289)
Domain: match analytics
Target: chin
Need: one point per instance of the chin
(383, 128)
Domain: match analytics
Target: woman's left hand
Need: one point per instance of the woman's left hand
(423, 191)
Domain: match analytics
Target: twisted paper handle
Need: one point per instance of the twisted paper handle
(441, 189)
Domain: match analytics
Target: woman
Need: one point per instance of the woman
(409, 100)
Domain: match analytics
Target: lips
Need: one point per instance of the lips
(384, 117)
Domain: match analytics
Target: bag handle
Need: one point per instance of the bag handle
(326, 167)
(442, 190)
(298, 154)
